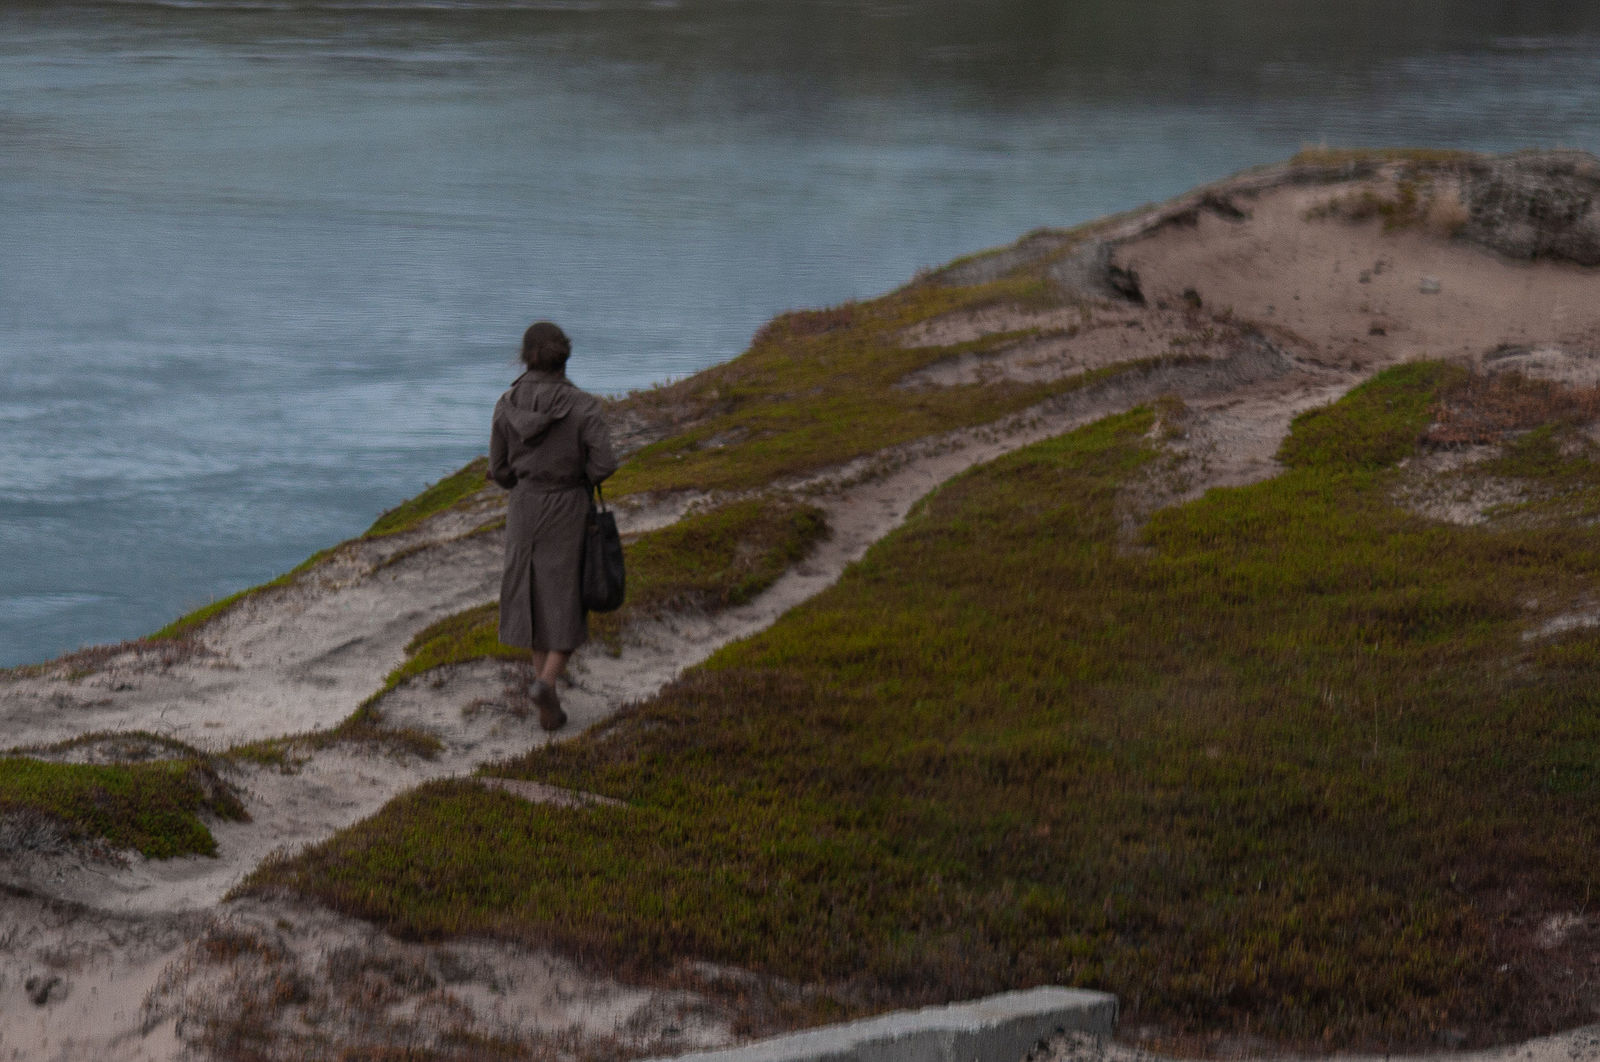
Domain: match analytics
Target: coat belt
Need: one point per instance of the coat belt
(550, 488)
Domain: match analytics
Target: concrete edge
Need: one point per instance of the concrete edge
(1002, 1028)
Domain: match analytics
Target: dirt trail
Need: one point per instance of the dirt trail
(1274, 311)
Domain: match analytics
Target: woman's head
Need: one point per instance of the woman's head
(545, 347)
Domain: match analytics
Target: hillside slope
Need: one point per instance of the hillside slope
(1222, 316)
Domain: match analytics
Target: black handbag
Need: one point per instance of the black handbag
(603, 576)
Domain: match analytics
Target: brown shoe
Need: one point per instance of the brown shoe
(551, 717)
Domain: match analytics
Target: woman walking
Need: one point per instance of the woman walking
(548, 443)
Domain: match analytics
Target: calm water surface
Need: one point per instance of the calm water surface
(263, 265)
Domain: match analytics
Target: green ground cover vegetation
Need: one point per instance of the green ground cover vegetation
(712, 559)
(819, 388)
(448, 492)
(154, 807)
(1285, 760)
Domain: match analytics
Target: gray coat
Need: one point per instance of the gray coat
(548, 442)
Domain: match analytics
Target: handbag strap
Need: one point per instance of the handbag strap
(599, 496)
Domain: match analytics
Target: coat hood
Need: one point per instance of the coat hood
(533, 404)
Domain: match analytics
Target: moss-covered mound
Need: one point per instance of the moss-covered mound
(154, 806)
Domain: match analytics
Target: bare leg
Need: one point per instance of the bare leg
(553, 664)
(548, 664)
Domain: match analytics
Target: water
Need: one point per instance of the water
(263, 265)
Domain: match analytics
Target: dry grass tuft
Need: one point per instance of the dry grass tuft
(803, 323)
(155, 653)
(1485, 408)
(249, 991)
(1431, 202)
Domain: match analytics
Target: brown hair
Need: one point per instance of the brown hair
(545, 347)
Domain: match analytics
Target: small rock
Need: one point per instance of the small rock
(1125, 282)
(41, 989)
(1191, 298)
(1429, 286)
(1223, 207)
(1377, 330)
(1536, 206)
(1365, 277)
